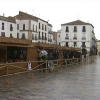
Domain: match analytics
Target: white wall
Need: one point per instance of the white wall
(40, 30)
(88, 35)
(50, 36)
(5, 28)
(13, 32)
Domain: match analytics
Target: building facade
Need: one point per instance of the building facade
(78, 34)
(26, 26)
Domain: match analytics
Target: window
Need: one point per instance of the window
(36, 27)
(59, 35)
(42, 27)
(17, 35)
(35, 36)
(23, 26)
(17, 26)
(11, 28)
(59, 43)
(45, 36)
(75, 28)
(83, 30)
(75, 44)
(67, 44)
(33, 27)
(2, 26)
(39, 35)
(42, 35)
(67, 30)
(45, 28)
(11, 35)
(32, 36)
(83, 43)
(66, 36)
(23, 36)
(3, 34)
(39, 25)
(75, 36)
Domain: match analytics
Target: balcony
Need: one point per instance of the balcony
(93, 32)
(35, 38)
(50, 32)
(2, 27)
(45, 38)
(83, 38)
(11, 28)
(39, 37)
(83, 46)
(49, 40)
(75, 38)
(66, 37)
(67, 45)
(22, 37)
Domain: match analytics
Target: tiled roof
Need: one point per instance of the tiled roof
(77, 22)
(11, 19)
(49, 24)
(24, 16)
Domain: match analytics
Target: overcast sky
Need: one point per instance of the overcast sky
(56, 11)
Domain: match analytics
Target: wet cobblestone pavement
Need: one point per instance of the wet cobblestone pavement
(78, 83)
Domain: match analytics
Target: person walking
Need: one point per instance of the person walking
(50, 63)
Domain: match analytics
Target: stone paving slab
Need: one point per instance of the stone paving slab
(78, 83)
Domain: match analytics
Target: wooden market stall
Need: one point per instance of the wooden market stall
(18, 52)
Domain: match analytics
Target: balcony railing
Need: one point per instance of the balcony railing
(11, 28)
(45, 38)
(83, 46)
(66, 37)
(39, 37)
(50, 32)
(49, 40)
(83, 38)
(35, 38)
(75, 38)
(67, 45)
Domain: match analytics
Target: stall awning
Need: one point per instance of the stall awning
(17, 45)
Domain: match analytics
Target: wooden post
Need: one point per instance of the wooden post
(77, 62)
(30, 73)
(66, 64)
(46, 67)
(7, 79)
(57, 65)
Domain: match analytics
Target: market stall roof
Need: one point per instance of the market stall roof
(16, 45)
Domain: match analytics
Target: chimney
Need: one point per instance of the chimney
(3, 15)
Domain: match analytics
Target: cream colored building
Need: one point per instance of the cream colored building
(98, 46)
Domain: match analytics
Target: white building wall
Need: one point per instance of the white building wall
(50, 36)
(88, 35)
(18, 30)
(13, 32)
(21, 31)
(5, 28)
(43, 31)
(26, 22)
